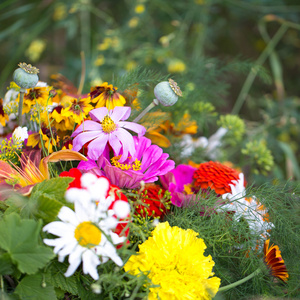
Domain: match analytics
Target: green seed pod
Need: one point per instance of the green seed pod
(167, 92)
(26, 76)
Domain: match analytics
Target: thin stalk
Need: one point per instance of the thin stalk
(148, 108)
(20, 108)
(233, 285)
(251, 76)
(82, 76)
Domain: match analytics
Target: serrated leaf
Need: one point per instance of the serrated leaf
(19, 238)
(54, 188)
(31, 288)
(47, 208)
(55, 275)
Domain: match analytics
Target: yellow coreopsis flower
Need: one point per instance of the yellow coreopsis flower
(44, 138)
(56, 119)
(78, 110)
(173, 259)
(106, 95)
(38, 95)
(3, 116)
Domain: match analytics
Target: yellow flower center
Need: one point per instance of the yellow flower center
(136, 166)
(88, 234)
(108, 125)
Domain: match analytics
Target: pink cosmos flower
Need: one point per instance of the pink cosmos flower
(146, 164)
(107, 127)
(176, 182)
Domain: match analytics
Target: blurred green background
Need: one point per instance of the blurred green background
(240, 57)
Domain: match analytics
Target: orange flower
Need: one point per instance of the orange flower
(216, 176)
(33, 170)
(274, 261)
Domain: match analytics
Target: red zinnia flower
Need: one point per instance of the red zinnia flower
(153, 204)
(76, 174)
(274, 261)
(215, 176)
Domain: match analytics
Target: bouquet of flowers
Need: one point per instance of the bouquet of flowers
(103, 200)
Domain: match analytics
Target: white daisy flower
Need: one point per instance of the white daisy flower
(250, 209)
(85, 235)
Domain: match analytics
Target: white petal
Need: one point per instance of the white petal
(122, 209)
(59, 228)
(74, 194)
(88, 179)
(74, 260)
(90, 261)
(67, 215)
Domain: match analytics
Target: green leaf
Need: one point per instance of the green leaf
(19, 238)
(47, 208)
(6, 266)
(54, 188)
(31, 287)
(55, 275)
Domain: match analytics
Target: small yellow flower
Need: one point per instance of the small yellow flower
(133, 22)
(45, 138)
(131, 65)
(78, 110)
(99, 61)
(3, 116)
(36, 95)
(174, 260)
(57, 119)
(35, 50)
(176, 66)
(60, 12)
(139, 9)
(106, 95)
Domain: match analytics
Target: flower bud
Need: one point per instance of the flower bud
(26, 76)
(167, 92)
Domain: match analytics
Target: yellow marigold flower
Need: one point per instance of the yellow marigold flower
(3, 116)
(139, 9)
(173, 259)
(176, 66)
(106, 95)
(78, 109)
(45, 138)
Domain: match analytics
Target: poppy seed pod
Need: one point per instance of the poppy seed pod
(167, 92)
(26, 76)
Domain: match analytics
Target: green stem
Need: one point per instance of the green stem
(20, 108)
(251, 76)
(233, 285)
(148, 108)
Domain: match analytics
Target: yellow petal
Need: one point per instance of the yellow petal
(158, 139)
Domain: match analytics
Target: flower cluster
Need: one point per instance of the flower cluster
(107, 207)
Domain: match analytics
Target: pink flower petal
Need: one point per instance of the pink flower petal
(98, 114)
(120, 113)
(97, 146)
(127, 142)
(139, 129)
(85, 137)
